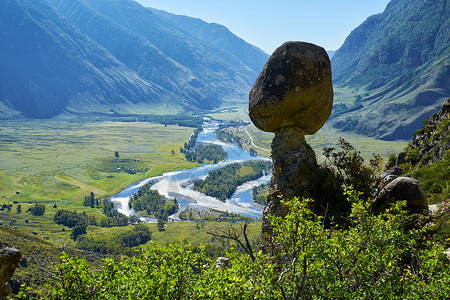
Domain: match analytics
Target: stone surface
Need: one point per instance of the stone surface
(294, 172)
(402, 188)
(9, 259)
(294, 89)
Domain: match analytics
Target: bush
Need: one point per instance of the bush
(351, 170)
(37, 210)
(376, 257)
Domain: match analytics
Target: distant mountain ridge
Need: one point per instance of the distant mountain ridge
(107, 56)
(397, 65)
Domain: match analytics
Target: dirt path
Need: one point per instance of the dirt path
(251, 140)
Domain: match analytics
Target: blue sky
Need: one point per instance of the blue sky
(268, 24)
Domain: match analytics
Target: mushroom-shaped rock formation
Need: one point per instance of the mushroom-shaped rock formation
(292, 97)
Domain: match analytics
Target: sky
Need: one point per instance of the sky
(268, 24)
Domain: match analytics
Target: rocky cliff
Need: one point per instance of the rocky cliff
(427, 157)
(430, 143)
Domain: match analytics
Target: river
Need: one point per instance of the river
(178, 184)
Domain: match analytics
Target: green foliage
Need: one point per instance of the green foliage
(193, 214)
(226, 137)
(72, 218)
(69, 218)
(90, 200)
(37, 210)
(351, 171)
(376, 257)
(202, 153)
(222, 183)
(116, 244)
(412, 155)
(191, 143)
(260, 193)
(78, 230)
(152, 203)
(435, 178)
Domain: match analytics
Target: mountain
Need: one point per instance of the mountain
(92, 56)
(219, 36)
(392, 72)
(47, 67)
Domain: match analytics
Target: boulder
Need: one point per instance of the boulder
(402, 188)
(9, 259)
(294, 89)
(389, 175)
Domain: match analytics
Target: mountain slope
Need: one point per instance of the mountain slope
(219, 36)
(194, 69)
(48, 67)
(92, 56)
(221, 76)
(396, 65)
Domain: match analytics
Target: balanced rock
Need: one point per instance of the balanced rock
(293, 97)
(402, 188)
(293, 89)
(9, 259)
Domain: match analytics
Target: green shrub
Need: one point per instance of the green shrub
(376, 257)
(37, 210)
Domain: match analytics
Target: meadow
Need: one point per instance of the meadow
(58, 162)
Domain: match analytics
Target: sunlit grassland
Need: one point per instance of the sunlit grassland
(328, 137)
(57, 162)
(196, 233)
(235, 113)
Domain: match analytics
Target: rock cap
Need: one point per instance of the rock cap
(293, 89)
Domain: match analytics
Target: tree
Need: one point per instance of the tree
(161, 224)
(19, 209)
(116, 154)
(78, 230)
(92, 200)
(173, 152)
(37, 210)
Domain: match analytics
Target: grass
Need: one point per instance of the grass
(328, 137)
(57, 162)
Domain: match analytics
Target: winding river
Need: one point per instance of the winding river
(178, 184)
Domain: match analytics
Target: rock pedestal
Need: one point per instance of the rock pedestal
(294, 170)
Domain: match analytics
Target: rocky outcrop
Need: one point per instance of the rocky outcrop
(9, 259)
(402, 188)
(429, 143)
(292, 97)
